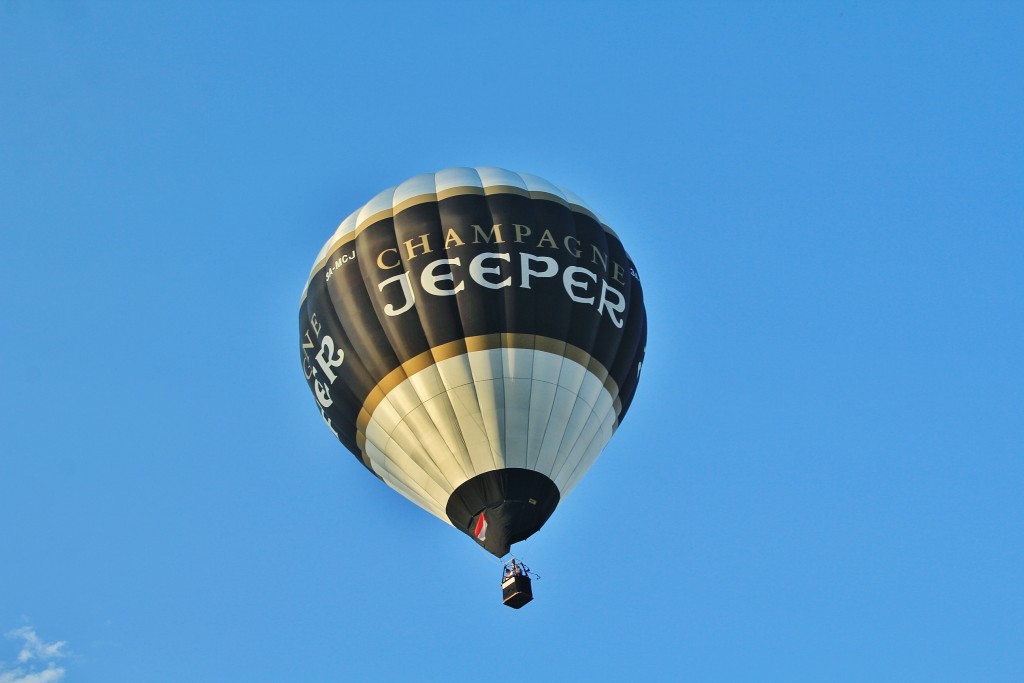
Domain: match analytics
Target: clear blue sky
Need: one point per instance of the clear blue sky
(820, 478)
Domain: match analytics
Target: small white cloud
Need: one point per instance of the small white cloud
(34, 653)
(51, 674)
(34, 647)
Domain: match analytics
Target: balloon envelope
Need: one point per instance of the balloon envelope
(474, 337)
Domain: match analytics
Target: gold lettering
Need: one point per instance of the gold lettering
(423, 243)
(452, 238)
(380, 259)
(478, 234)
(597, 256)
(522, 231)
(547, 240)
(617, 273)
(575, 251)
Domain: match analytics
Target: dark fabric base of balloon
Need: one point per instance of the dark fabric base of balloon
(502, 507)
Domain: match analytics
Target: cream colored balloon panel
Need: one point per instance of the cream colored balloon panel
(465, 430)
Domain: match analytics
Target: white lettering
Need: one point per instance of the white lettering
(477, 270)
(571, 283)
(441, 278)
(407, 296)
(323, 394)
(524, 267)
(429, 278)
(613, 308)
(327, 358)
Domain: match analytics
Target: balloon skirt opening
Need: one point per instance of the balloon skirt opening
(502, 507)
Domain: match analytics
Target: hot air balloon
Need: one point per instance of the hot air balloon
(474, 337)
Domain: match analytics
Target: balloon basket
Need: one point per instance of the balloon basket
(516, 586)
(516, 591)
